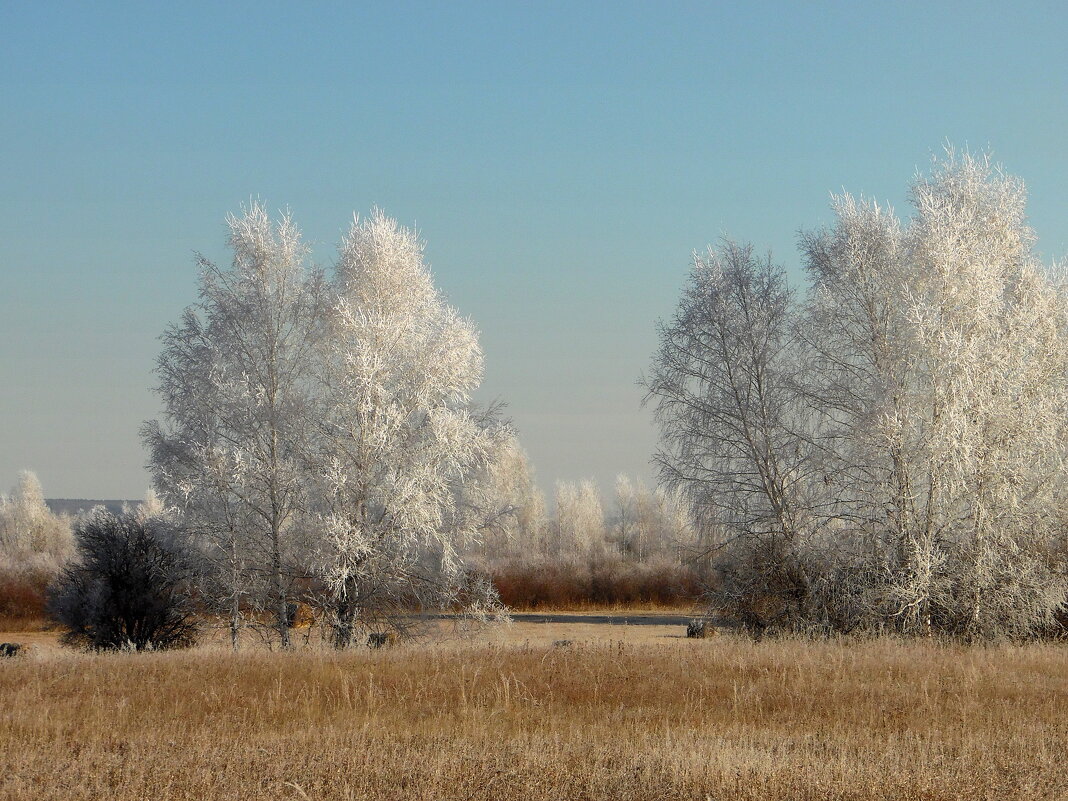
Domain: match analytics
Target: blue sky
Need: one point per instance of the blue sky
(562, 160)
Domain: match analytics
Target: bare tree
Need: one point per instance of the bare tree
(130, 585)
(731, 422)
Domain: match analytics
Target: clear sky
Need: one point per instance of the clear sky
(562, 160)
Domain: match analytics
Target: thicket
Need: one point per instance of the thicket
(545, 583)
(639, 549)
(887, 450)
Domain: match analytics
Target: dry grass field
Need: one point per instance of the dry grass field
(623, 713)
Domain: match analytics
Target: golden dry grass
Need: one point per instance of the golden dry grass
(23, 624)
(651, 718)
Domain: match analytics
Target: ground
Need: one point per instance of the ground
(623, 712)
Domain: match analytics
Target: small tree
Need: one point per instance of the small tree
(128, 586)
(651, 524)
(502, 503)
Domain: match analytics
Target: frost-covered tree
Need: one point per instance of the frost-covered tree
(150, 506)
(579, 523)
(732, 424)
(651, 523)
(992, 356)
(860, 380)
(29, 531)
(396, 434)
(940, 370)
(236, 379)
(503, 502)
(628, 526)
(317, 433)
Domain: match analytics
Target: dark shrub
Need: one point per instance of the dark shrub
(699, 629)
(127, 587)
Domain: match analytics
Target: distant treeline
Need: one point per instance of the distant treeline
(75, 506)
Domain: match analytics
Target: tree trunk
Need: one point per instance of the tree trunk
(345, 610)
(281, 601)
(235, 593)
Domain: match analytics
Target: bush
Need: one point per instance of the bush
(22, 593)
(128, 586)
(604, 582)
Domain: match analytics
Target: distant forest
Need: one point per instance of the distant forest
(74, 506)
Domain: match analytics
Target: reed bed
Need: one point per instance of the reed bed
(725, 718)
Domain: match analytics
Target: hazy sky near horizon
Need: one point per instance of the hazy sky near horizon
(562, 161)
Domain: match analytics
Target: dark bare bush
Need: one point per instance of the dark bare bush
(763, 586)
(129, 586)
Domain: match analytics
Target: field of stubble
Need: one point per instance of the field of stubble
(633, 713)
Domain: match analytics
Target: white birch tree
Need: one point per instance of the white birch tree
(861, 382)
(396, 434)
(651, 523)
(502, 501)
(579, 522)
(990, 332)
(731, 422)
(236, 383)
